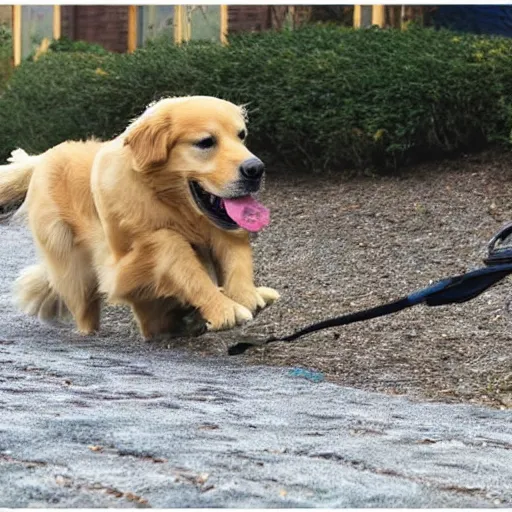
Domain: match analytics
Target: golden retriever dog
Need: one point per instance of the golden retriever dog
(158, 218)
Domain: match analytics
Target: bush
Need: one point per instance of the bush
(64, 44)
(5, 55)
(320, 97)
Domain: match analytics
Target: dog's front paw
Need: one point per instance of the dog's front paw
(269, 295)
(224, 314)
(254, 299)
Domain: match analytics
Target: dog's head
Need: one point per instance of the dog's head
(195, 146)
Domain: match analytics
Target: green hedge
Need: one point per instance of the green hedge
(5, 55)
(64, 44)
(321, 97)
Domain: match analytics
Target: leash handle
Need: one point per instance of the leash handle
(496, 253)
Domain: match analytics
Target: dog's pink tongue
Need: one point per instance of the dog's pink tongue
(247, 213)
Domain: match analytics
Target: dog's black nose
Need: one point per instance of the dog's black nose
(252, 169)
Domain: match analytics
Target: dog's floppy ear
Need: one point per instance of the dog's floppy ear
(149, 141)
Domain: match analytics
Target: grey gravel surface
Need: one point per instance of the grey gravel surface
(109, 421)
(337, 245)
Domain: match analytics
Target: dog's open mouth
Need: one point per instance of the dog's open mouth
(231, 213)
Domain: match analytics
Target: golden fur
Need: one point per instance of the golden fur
(117, 219)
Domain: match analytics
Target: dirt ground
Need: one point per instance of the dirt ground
(337, 245)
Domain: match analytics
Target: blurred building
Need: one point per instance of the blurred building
(5, 14)
(121, 27)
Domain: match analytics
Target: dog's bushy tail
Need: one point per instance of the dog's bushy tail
(35, 295)
(15, 177)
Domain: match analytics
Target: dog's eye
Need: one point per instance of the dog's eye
(206, 143)
(242, 134)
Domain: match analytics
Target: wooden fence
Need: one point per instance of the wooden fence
(363, 16)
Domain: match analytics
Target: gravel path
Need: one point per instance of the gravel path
(112, 424)
(336, 246)
(109, 421)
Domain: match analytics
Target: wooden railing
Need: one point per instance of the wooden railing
(364, 16)
(397, 16)
(182, 29)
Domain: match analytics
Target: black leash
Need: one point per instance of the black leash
(451, 290)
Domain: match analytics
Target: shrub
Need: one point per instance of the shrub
(51, 100)
(5, 55)
(321, 97)
(64, 44)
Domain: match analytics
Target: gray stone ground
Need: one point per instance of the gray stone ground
(112, 422)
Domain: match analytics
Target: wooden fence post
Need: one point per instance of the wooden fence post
(177, 22)
(57, 24)
(357, 16)
(224, 24)
(132, 28)
(16, 34)
(379, 15)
